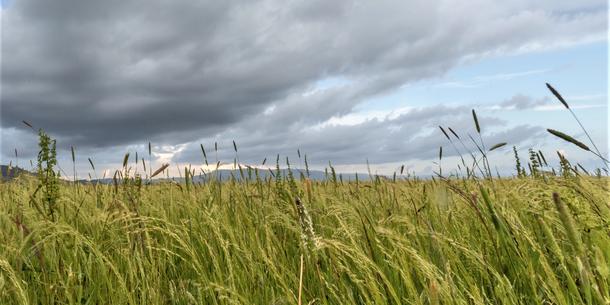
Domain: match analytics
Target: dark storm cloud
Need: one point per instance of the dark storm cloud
(101, 74)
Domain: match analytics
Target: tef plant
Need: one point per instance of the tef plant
(48, 178)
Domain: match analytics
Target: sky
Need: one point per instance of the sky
(347, 82)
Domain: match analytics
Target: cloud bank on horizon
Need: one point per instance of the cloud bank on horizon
(346, 81)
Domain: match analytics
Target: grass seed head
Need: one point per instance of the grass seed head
(568, 138)
(444, 132)
(557, 95)
(159, 170)
(453, 132)
(476, 121)
(497, 146)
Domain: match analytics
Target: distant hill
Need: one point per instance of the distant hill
(226, 175)
(317, 175)
(7, 173)
(223, 175)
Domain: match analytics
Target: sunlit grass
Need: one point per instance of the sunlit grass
(502, 241)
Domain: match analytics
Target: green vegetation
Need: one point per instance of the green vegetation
(501, 241)
(541, 237)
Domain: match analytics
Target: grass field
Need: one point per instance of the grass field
(528, 240)
(465, 237)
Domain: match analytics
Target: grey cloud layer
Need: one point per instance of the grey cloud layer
(521, 102)
(108, 73)
(413, 135)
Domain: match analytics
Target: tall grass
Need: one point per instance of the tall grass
(380, 242)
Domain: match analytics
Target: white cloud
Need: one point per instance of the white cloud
(562, 108)
(483, 80)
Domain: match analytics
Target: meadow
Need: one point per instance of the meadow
(539, 237)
